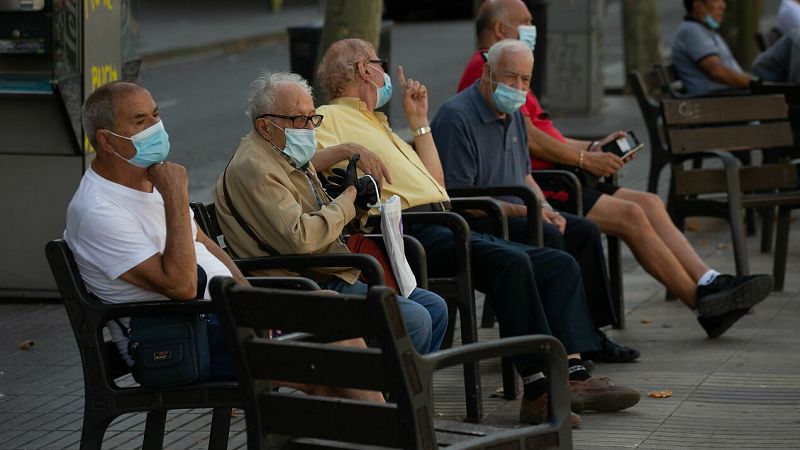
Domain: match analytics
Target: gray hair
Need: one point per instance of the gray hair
(264, 91)
(506, 45)
(99, 109)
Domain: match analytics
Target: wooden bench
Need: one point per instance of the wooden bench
(104, 399)
(406, 420)
(715, 129)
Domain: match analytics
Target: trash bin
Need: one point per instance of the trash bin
(304, 45)
(538, 9)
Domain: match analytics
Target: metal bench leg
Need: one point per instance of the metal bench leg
(94, 429)
(738, 238)
(750, 221)
(449, 334)
(781, 247)
(154, 430)
(615, 277)
(767, 216)
(472, 378)
(220, 426)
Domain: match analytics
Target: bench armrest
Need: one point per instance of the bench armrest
(368, 265)
(491, 207)
(524, 193)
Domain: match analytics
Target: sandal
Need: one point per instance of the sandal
(610, 351)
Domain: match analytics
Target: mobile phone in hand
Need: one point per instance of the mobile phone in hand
(624, 147)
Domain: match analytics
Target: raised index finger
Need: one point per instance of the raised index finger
(401, 77)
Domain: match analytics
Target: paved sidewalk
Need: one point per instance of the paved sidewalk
(739, 391)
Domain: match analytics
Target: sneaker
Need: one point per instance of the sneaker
(534, 412)
(598, 394)
(716, 325)
(727, 293)
(611, 351)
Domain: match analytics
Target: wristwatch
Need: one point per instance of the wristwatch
(420, 131)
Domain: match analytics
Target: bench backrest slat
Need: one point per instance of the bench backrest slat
(322, 364)
(721, 110)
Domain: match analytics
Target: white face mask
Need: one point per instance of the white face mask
(301, 144)
(527, 34)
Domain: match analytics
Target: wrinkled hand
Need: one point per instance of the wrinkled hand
(415, 100)
(367, 192)
(169, 179)
(602, 164)
(370, 163)
(553, 217)
(342, 178)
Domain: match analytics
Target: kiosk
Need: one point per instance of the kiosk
(53, 54)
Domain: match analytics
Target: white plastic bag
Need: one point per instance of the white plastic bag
(392, 228)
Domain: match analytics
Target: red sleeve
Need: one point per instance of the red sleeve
(540, 120)
(472, 72)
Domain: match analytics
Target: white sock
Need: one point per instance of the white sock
(707, 277)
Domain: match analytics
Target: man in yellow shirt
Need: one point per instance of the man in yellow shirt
(533, 290)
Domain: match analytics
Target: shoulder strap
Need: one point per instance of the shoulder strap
(125, 331)
(262, 245)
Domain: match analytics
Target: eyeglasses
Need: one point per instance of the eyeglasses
(384, 63)
(299, 121)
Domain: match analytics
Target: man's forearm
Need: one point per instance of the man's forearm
(178, 260)
(547, 148)
(426, 149)
(326, 157)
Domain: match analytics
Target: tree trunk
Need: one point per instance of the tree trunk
(349, 19)
(740, 25)
(641, 35)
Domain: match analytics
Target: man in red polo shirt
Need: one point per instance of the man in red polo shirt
(638, 218)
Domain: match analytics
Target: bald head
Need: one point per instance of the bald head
(100, 109)
(499, 19)
(338, 66)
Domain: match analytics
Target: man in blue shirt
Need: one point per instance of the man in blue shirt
(472, 128)
(702, 59)
(493, 151)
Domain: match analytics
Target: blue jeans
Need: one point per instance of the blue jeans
(424, 313)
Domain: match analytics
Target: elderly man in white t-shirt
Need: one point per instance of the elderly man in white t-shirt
(129, 224)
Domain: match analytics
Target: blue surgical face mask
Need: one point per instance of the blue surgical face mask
(385, 92)
(301, 144)
(151, 144)
(527, 34)
(507, 99)
(713, 24)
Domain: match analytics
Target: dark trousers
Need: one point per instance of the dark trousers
(532, 290)
(582, 240)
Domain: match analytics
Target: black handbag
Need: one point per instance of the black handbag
(169, 350)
